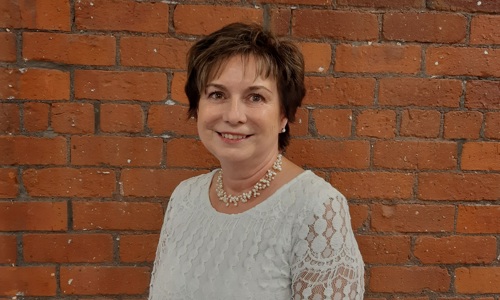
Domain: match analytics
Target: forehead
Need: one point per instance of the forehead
(251, 65)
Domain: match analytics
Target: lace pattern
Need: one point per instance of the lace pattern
(298, 244)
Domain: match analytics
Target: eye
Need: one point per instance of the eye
(216, 95)
(256, 98)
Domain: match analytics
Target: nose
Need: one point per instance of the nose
(234, 112)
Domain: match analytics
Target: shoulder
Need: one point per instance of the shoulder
(314, 191)
(196, 180)
(192, 187)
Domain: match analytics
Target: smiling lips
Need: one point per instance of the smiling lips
(233, 136)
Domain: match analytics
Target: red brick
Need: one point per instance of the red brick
(75, 118)
(413, 218)
(153, 182)
(384, 249)
(189, 153)
(398, 279)
(376, 123)
(464, 5)
(481, 156)
(359, 215)
(116, 85)
(117, 216)
(84, 280)
(456, 249)
(171, 119)
(420, 123)
(461, 298)
(492, 125)
(300, 127)
(482, 94)
(373, 185)
(77, 49)
(339, 25)
(36, 116)
(401, 4)
(317, 56)
(457, 187)
(330, 154)
(280, 19)
(204, 19)
(116, 151)
(420, 92)
(7, 46)
(177, 89)
(416, 155)
(484, 29)
(9, 114)
(307, 2)
(34, 84)
(478, 280)
(153, 52)
(378, 58)
(68, 248)
(478, 219)
(32, 150)
(24, 216)
(339, 91)
(138, 248)
(28, 281)
(122, 15)
(461, 61)
(462, 124)
(8, 249)
(464, 298)
(9, 187)
(68, 182)
(425, 27)
(333, 122)
(36, 14)
(121, 118)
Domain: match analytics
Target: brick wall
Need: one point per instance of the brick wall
(402, 115)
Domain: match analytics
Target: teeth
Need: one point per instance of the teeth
(232, 136)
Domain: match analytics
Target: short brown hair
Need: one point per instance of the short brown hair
(279, 59)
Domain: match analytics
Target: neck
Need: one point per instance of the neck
(241, 177)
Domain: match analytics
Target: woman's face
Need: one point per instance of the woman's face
(239, 116)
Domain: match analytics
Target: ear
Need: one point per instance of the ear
(283, 122)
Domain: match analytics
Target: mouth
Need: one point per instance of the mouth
(233, 136)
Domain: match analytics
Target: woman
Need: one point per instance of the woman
(260, 227)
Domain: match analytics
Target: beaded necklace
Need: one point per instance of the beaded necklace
(262, 184)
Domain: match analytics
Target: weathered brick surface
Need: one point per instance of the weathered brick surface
(396, 279)
(79, 49)
(121, 15)
(401, 115)
(90, 215)
(425, 27)
(340, 25)
(378, 58)
(7, 46)
(37, 14)
(456, 249)
(420, 92)
(68, 248)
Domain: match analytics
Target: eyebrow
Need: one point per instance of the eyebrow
(251, 88)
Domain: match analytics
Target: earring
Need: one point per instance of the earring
(283, 130)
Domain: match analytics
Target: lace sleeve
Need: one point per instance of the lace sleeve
(326, 262)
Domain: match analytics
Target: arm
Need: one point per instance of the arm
(327, 263)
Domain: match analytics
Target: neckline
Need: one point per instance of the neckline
(259, 207)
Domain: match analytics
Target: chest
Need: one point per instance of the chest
(216, 253)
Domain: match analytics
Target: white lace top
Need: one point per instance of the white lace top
(297, 244)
